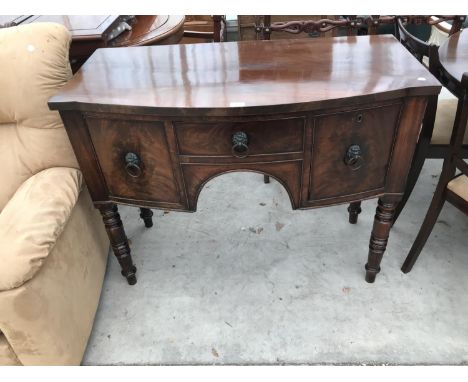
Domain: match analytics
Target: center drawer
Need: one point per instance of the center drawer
(261, 137)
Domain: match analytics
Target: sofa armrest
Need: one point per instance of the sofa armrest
(32, 221)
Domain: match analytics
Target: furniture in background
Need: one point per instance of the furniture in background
(434, 139)
(441, 29)
(88, 32)
(329, 126)
(151, 30)
(53, 248)
(271, 27)
(453, 56)
(199, 29)
(254, 27)
(92, 32)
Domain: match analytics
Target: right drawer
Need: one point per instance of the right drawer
(351, 151)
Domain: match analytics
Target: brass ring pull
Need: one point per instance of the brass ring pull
(132, 165)
(353, 157)
(240, 144)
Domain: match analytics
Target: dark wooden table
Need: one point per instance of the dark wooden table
(453, 54)
(152, 30)
(334, 120)
(92, 32)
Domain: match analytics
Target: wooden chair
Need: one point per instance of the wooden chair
(204, 29)
(440, 22)
(451, 188)
(434, 139)
(270, 27)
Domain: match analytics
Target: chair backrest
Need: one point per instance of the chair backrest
(33, 66)
(268, 27)
(417, 47)
(458, 132)
(204, 29)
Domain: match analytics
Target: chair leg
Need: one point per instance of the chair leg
(266, 179)
(437, 203)
(354, 210)
(147, 215)
(415, 171)
(440, 194)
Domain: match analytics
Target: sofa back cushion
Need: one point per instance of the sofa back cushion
(33, 66)
(32, 222)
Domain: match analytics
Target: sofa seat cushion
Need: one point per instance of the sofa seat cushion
(32, 221)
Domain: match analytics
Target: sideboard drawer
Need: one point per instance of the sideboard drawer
(134, 158)
(263, 137)
(351, 151)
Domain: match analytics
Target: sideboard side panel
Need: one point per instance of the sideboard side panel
(80, 140)
(405, 144)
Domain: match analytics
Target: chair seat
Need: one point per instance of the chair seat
(443, 125)
(459, 186)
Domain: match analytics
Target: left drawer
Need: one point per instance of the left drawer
(135, 159)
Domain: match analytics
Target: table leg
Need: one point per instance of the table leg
(147, 215)
(354, 210)
(118, 240)
(379, 237)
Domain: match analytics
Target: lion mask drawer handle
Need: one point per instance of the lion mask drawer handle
(240, 144)
(132, 165)
(353, 157)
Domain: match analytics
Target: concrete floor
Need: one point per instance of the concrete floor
(246, 280)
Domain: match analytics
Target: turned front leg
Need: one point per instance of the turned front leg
(379, 237)
(118, 240)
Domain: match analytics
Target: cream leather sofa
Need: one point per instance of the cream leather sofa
(53, 246)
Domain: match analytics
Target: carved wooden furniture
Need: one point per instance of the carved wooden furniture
(88, 32)
(333, 127)
(260, 27)
(92, 32)
(454, 60)
(204, 29)
(267, 27)
(442, 23)
(434, 140)
(151, 30)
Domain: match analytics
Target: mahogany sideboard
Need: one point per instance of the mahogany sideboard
(334, 120)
